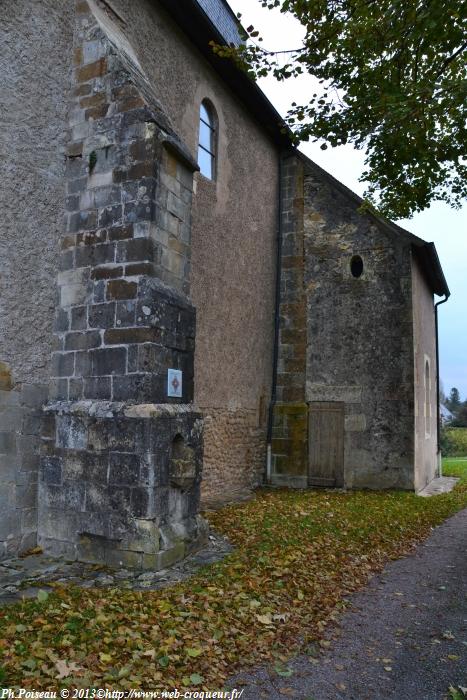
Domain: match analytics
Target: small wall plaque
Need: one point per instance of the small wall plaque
(174, 383)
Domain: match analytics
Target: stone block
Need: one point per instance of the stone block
(91, 70)
(67, 497)
(141, 505)
(81, 221)
(108, 361)
(78, 318)
(63, 364)
(29, 521)
(51, 470)
(169, 557)
(91, 549)
(102, 315)
(75, 389)
(143, 388)
(135, 249)
(62, 321)
(32, 424)
(124, 469)
(121, 289)
(106, 272)
(119, 233)
(82, 340)
(26, 496)
(11, 418)
(117, 435)
(324, 392)
(72, 433)
(28, 541)
(122, 558)
(124, 336)
(72, 294)
(9, 398)
(138, 211)
(8, 468)
(56, 524)
(82, 364)
(7, 443)
(110, 216)
(97, 388)
(93, 255)
(125, 313)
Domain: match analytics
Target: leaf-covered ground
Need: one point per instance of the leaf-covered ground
(298, 555)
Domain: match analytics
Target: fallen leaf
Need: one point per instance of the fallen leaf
(66, 669)
(264, 619)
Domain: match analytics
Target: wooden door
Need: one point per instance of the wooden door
(326, 444)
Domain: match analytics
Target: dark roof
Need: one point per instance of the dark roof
(221, 15)
(206, 20)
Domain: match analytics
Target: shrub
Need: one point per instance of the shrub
(454, 442)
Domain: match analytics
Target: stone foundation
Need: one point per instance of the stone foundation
(120, 484)
(20, 430)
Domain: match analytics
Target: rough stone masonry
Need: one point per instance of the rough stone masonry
(121, 465)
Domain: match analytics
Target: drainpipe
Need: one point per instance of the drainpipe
(275, 357)
(438, 417)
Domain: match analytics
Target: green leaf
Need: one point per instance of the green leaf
(196, 679)
(194, 652)
(42, 596)
(163, 661)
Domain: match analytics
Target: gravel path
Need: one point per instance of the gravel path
(404, 637)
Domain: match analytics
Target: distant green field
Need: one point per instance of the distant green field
(455, 467)
(454, 442)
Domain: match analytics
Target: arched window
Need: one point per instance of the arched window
(207, 140)
(427, 399)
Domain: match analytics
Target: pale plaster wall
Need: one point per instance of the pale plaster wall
(35, 64)
(424, 349)
(234, 223)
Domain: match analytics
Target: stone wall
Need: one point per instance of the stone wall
(21, 426)
(234, 233)
(120, 475)
(360, 333)
(234, 454)
(289, 443)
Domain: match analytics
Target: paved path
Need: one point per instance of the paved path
(404, 638)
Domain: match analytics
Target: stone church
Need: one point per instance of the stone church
(189, 307)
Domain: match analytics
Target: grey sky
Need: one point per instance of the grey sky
(445, 226)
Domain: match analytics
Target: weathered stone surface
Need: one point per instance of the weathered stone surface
(117, 488)
(108, 492)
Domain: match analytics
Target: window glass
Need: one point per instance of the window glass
(205, 136)
(205, 162)
(204, 114)
(207, 141)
